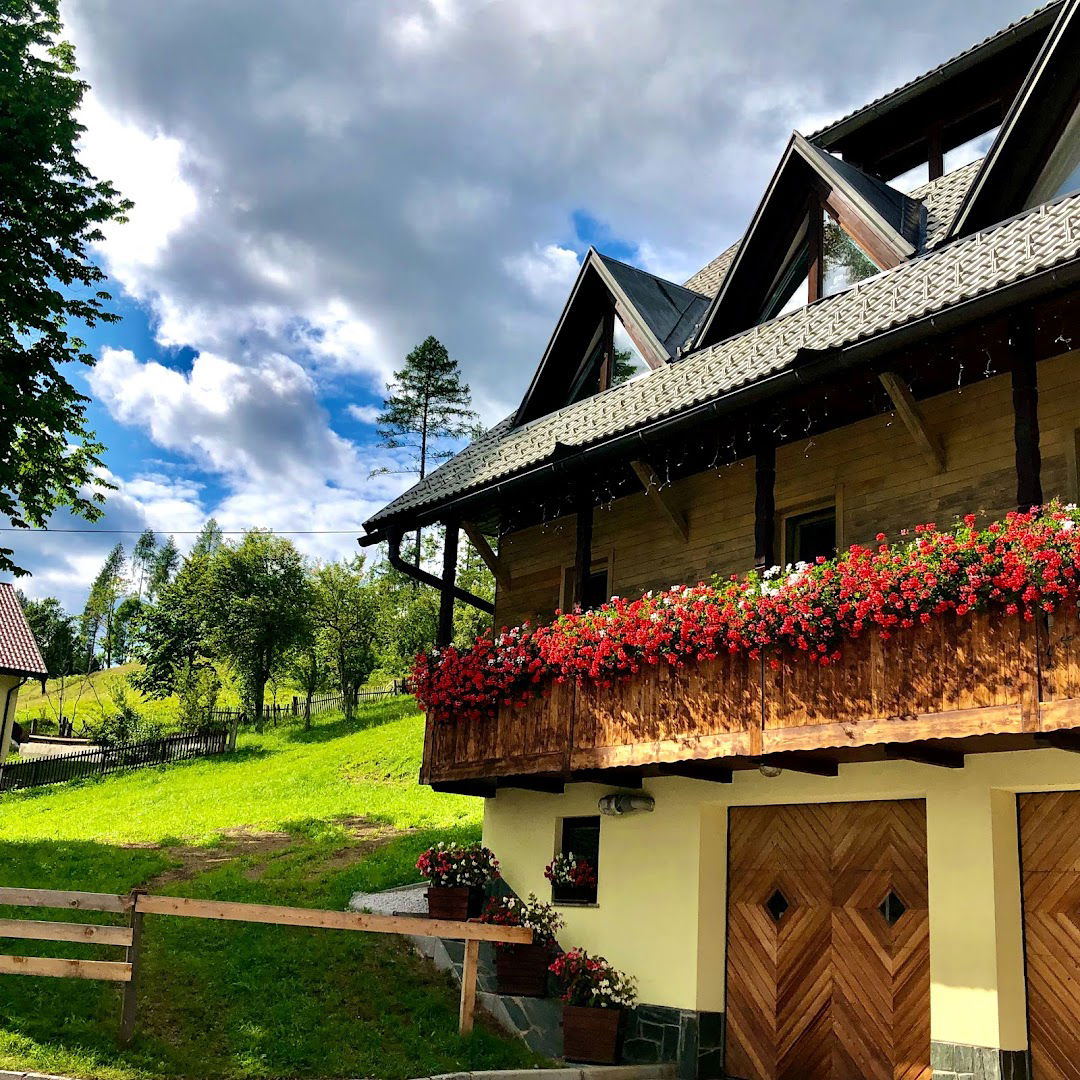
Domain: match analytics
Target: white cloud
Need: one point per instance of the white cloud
(547, 271)
(366, 414)
(148, 169)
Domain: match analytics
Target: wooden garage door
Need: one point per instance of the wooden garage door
(1050, 848)
(828, 961)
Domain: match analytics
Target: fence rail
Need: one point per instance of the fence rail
(137, 903)
(103, 760)
(298, 706)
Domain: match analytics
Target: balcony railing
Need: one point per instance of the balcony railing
(955, 678)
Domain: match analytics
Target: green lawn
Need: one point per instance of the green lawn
(292, 817)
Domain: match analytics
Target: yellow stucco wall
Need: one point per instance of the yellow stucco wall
(661, 898)
(6, 682)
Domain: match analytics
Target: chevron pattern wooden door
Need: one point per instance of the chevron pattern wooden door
(828, 969)
(1050, 848)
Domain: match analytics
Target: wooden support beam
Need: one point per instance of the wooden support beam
(669, 511)
(274, 915)
(445, 632)
(582, 546)
(42, 930)
(56, 898)
(607, 347)
(908, 410)
(1025, 394)
(815, 248)
(935, 153)
(619, 776)
(57, 968)
(925, 755)
(801, 763)
(127, 1010)
(484, 550)
(697, 770)
(468, 987)
(550, 785)
(765, 503)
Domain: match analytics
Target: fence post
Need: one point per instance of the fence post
(468, 986)
(127, 1014)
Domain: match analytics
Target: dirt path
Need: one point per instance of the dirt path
(240, 842)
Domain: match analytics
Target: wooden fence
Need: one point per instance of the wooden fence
(320, 703)
(103, 760)
(137, 904)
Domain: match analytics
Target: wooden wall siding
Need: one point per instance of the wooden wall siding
(1050, 851)
(951, 678)
(954, 678)
(532, 739)
(888, 486)
(706, 710)
(829, 991)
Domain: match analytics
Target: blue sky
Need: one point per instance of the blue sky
(318, 187)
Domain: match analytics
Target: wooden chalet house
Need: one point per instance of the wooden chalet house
(869, 869)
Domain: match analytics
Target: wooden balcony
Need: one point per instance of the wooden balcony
(934, 693)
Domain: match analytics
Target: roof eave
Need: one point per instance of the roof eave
(1065, 275)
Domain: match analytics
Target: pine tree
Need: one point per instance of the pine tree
(142, 558)
(100, 607)
(426, 405)
(166, 561)
(209, 539)
(625, 367)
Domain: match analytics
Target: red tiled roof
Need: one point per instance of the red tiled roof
(19, 652)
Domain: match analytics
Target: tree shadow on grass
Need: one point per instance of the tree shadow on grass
(232, 1000)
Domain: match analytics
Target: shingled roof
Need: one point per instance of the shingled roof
(19, 652)
(1002, 256)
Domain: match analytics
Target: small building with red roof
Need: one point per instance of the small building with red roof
(20, 660)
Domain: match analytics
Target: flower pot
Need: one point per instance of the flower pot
(573, 894)
(522, 970)
(458, 902)
(591, 1035)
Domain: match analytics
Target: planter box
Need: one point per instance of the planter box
(458, 903)
(591, 1035)
(572, 894)
(522, 970)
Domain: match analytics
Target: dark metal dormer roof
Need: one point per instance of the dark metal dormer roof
(658, 315)
(885, 223)
(1034, 125)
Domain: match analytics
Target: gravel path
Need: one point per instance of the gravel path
(411, 900)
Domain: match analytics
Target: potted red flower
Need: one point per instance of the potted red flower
(458, 874)
(522, 970)
(595, 996)
(573, 879)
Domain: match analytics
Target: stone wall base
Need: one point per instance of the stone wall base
(958, 1061)
(694, 1040)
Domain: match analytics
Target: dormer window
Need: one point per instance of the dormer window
(1061, 176)
(826, 260)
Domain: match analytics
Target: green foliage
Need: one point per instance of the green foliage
(344, 614)
(175, 642)
(198, 687)
(51, 209)
(54, 631)
(625, 367)
(123, 723)
(98, 617)
(259, 599)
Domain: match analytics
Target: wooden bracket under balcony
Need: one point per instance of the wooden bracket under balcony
(908, 410)
(484, 550)
(674, 517)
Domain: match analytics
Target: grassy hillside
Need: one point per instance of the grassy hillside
(86, 697)
(292, 817)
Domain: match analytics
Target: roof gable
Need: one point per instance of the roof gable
(19, 652)
(658, 315)
(882, 221)
(1031, 131)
